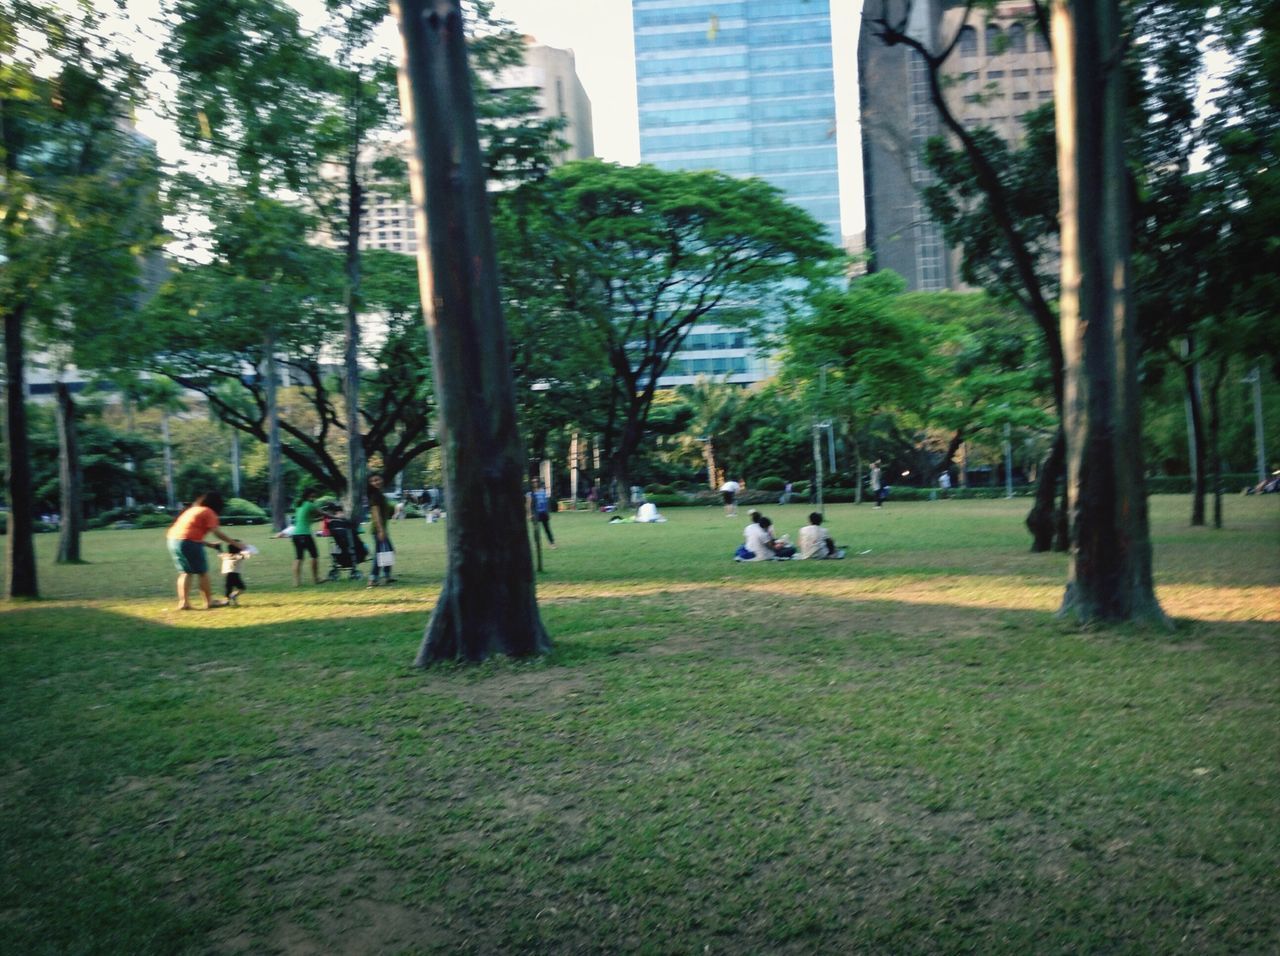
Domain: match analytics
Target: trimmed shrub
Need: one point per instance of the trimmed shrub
(800, 487)
(770, 483)
(242, 508)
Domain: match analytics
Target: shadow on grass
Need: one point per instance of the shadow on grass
(750, 772)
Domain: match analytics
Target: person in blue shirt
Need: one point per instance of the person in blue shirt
(540, 510)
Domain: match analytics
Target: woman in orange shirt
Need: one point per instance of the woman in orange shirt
(186, 545)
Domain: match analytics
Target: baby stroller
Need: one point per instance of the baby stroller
(347, 551)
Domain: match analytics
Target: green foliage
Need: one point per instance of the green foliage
(769, 483)
(240, 508)
(194, 479)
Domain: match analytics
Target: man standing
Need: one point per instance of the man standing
(540, 509)
(877, 484)
(384, 554)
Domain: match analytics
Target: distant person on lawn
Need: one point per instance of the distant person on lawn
(186, 540)
(762, 544)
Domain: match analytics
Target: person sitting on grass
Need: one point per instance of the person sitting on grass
(185, 538)
(815, 541)
(762, 544)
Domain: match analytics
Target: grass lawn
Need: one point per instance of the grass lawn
(900, 752)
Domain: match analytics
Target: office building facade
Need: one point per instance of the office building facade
(746, 88)
(999, 70)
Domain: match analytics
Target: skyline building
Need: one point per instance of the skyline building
(1000, 69)
(389, 222)
(747, 89)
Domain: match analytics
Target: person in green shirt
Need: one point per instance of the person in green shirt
(304, 515)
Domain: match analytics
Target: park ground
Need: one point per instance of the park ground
(902, 752)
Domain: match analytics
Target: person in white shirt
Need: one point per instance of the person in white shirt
(648, 513)
(761, 543)
(729, 490)
(815, 541)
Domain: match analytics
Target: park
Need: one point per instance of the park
(903, 751)
(382, 288)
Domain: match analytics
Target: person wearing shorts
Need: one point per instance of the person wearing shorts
(185, 539)
(729, 491)
(304, 515)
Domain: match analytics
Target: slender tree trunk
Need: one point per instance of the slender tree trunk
(1110, 577)
(235, 462)
(709, 454)
(351, 351)
(129, 464)
(20, 553)
(1044, 519)
(275, 463)
(170, 492)
(487, 604)
(1195, 429)
(1215, 435)
(70, 478)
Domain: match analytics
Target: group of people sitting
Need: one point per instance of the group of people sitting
(813, 541)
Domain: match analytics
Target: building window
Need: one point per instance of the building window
(995, 40)
(1044, 94)
(1019, 73)
(1041, 45)
(1024, 95)
(995, 74)
(1017, 38)
(968, 41)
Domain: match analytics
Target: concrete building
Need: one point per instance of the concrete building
(897, 120)
(748, 89)
(389, 223)
(999, 70)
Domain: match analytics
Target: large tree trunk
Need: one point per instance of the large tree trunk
(275, 463)
(1215, 435)
(487, 604)
(20, 553)
(1110, 576)
(70, 478)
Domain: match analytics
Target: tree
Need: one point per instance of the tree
(73, 221)
(245, 75)
(1012, 233)
(487, 604)
(1110, 577)
(640, 255)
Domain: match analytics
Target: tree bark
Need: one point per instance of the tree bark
(1215, 435)
(488, 604)
(1195, 418)
(1044, 519)
(351, 350)
(170, 492)
(1110, 576)
(275, 466)
(70, 479)
(20, 554)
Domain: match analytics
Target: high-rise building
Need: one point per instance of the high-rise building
(898, 118)
(999, 70)
(746, 88)
(558, 93)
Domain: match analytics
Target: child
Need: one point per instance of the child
(234, 583)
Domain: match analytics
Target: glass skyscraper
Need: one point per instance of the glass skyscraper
(746, 88)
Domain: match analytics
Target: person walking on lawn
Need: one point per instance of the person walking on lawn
(305, 512)
(540, 510)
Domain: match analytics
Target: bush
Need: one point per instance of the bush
(659, 490)
(770, 484)
(800, 487)
(241, 508)
(669, 501)
(152, 521)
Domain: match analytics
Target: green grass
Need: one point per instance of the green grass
(901, 752)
